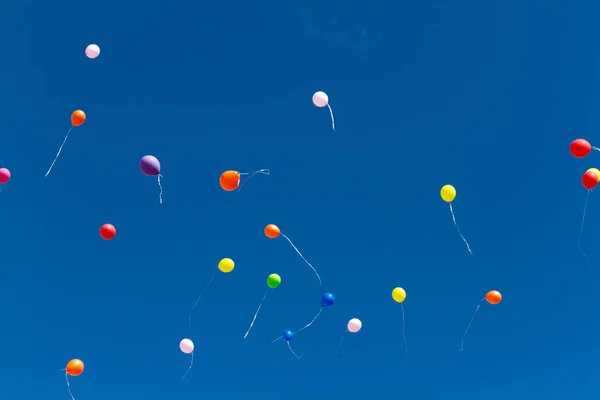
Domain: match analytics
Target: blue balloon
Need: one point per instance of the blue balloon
(327, 300)
(288, 335)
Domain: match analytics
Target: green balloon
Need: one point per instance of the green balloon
(273, 281)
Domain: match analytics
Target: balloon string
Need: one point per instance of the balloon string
(404, 333)
(256, 315)
(595, 148)
(260, 171)
(458, 229)
(196, 303)
(59, 151)
(290, 347)
(462, 344)
(311, 322)
(161, 189)
(339, 346)
(332, 119)
(69, 385)
(582, 224)
(305, 260)
(190, 367)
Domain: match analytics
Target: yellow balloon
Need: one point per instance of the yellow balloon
(399, 295)
(596, 171)
(226, 265)
(448, 193)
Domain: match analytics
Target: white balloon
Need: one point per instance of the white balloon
(320, 99)
(354, 325)
(187, 346)
(92, 51)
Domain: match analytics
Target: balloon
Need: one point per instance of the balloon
(354, 325)
(580, 148)
(448, 193)
(150, 165)
(327, 300)
(273, 281)
(186, 346)
(493, 297)
(107, 231)
(77, 118)
(75, 367)
(399, 295)
(589, 180)
(4, 175)
(272, 231)
(320, 99)
(226, 265)
(92, 51)
(594, 170)
(288, 335)
(230, 180)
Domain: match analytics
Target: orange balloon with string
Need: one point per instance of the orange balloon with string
(75, 367)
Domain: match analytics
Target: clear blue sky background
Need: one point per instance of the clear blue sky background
(483, 95)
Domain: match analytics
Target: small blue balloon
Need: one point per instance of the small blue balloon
(288, 335)
(327, 300)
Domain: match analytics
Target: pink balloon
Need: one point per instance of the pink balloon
(187, 346)
(4, 175)
(354, 325)
(92, 51)
(320, 99)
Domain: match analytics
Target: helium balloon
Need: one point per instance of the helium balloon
(4, 175)
(77, 119)
(589, 180)
(580, 148)
(92, 51)
(327, 300)
(230, 180)
(596, 171)
(354, 325)
(273, 282)
(107, 231)
(493, 297)
(272, 231)
(398, 294)
(320, 99)
(150, 166)
(187, 347)
(226, 265)
(75, 367)
(289, 335)
(448, 194)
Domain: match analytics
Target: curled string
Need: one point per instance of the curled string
(404, 333)
(595, 148)
(196, 303)
(462, 344)
(59, 150)
(305, 260)
(582, 224)
(260, 171)
(290, 347)
(190, 367)
(332, 119)
(305, 326)
(161, 189)
(69, 385)
(256, 314)
(458, 229)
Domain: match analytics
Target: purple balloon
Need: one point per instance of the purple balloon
(150, 165)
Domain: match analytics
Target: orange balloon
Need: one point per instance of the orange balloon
(493, 297)
(272, 231)
(77, 118)
(75, 367)
(229, 180)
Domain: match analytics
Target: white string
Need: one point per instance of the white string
(462, 344)
(595, 148)
(582, 223)
(339, 346)
(305, 260)
(255, 315)
(59, 150)
(190, 367)
(290, 347)
(196, 303)
(332, 119)
(69, 385)
(458, 229)
(161, 189)
(260, 171)
(404, 333)
(306, 326)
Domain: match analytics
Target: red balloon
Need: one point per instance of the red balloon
(107, 231)
(589, 180)
(580, 148)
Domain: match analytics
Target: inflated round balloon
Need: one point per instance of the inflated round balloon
(580, 148)
(288, 335)
(78, 118)
(150, 165)
(493, 297)
(327, 300)
(272, 231)
(273, 281)
(4, 175)
(186, 346)
(320, 99)
(107, 231)
(399, 295)
(226, 265)
(75, 367)
(448, 193)
(354, 325)
(229, 180)
(589, 180)
(92, 51)
(596, 171)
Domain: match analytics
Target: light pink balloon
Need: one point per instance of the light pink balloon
(4, 175)
(354, 325)
(320, 99)
(187, 346)
(92, 51)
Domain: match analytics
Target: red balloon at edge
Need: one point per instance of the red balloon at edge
(107, 231)
(589, 180)
(580, 148)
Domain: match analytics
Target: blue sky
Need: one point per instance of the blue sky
(485, 96)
